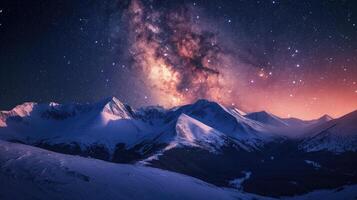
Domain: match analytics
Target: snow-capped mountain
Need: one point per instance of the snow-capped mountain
(228, 121)
(109, 124)
(204, 140)
(267, 118)
(289, 127)
(194, 133)
(338, 135)
(273, 120)
(105, 125)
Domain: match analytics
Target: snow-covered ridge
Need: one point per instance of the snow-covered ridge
(192, 132)
(86, 124)
(110, 122)
(110, 109)
(224, 120)
(170, 139)
(267, 118)
(337, 135)
(22, 110)
(103, 124)
(113, 109)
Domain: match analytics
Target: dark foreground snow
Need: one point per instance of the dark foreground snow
(28, 172)
(32, 173)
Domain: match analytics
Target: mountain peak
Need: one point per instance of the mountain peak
(204, 102)
(263, 113)
(110, 100)
(325, 118)
(192, 132)
(24, 109)
(266, 118)
(114, 109)
(240, 112)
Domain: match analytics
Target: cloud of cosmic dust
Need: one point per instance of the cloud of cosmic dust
(179, 58)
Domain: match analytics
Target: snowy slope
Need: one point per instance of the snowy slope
(29, 173)
(192, 132)
(107, 123)
(267, 118)
(346, 192)
(189, 132)
(32, 173)
(204, 139)
(324, 118)
(228, 121)
(338, 135)
(292, 128)
(272, 120)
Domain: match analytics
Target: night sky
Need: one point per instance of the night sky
(292, 58)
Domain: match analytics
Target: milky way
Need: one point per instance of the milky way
(293, 58)
(181, 59)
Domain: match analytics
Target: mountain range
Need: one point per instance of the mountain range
(258, 153)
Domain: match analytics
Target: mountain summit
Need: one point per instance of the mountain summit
(205, 140)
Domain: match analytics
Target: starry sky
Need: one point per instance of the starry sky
(291, 58)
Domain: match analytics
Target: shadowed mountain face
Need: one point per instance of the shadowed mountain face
(267, 118)
(257, 152)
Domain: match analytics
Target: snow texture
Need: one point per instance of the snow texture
(32, 173)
